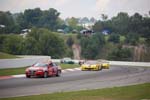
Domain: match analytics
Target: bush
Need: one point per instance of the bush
(2, 39)
(92, 45)
(132, 38)
(12, 44)
(121, 54)
(115, 38)
(38, 41)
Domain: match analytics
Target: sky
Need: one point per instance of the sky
(79, 8)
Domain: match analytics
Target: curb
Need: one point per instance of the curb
(23, 75)
(127, 63)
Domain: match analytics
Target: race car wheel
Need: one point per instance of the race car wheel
(58, 73)
(45, 75)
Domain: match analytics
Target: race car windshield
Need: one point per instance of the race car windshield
(40, 65)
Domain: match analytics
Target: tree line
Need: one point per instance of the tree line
(42, 40)
(124, 24)
(37, 42)
(122, 30)
(14, 23)
(49, 19)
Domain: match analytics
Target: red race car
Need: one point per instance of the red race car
(43, 70)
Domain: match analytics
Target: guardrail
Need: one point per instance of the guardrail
(21, 62)
(126, 63)
(29, 60)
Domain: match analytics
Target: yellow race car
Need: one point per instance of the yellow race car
(94, 65)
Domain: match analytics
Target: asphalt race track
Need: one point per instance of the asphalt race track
(74, 81)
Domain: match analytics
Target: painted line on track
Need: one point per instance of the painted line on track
(23, 75)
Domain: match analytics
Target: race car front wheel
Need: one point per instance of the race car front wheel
(58, 73)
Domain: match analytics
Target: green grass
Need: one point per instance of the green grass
(106, 37)
(122, 39)
(7, 56)
(66, 66)
(12, 71)
(135, 92)
(142, 40)
(16, 71)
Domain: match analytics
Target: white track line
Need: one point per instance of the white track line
(77, 68)
(70, 70)
(18, 76)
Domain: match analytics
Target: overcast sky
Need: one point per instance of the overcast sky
(79, 8)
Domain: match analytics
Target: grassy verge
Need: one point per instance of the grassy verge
(15, 71)
(66, 66)
(7, 56)
(135, 92)
(12, 71)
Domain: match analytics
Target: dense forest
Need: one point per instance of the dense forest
(125, 35)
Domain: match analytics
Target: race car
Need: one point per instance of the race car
(67, 60)
(94, 65)
(105, 64)
(43, 70)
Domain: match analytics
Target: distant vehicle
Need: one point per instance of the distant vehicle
(67, 61)
(87, 32)
(43, 70)
(94, 65)
(60, 30)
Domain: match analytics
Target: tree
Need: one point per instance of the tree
(120, 54)
(7, 21)
(84, 20)
(92, 20)
(145, 29)
(38, 18)
(49, 19)
(136, 23)
(91, 46)
(73, 22)
(12, 44)
(99, 26)
(47, 42)
(115, 38)
(69, 41)
(120, 23)
(132, 38)
(22, 22)
(104, 17)
(33, 16)
(30, 46)
(2, 41)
